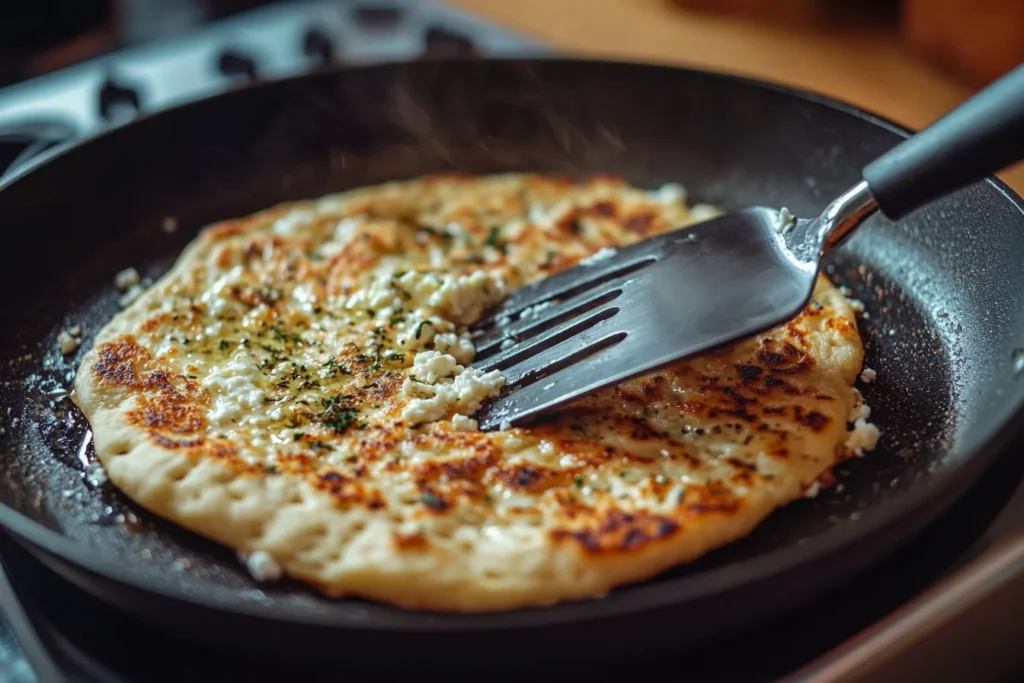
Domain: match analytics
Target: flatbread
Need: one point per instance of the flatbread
(297, 387)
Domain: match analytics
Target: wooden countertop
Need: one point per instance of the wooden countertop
(865, 66)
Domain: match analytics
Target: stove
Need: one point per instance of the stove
(139, 56)
(125, 73)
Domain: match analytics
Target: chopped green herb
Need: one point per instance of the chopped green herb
(297, 436)
(434, 231)
(493, 236)
(363, 425)
(395, 356)
(224, 344)
(431, 500)
(578, 480)
(419, 328)
(340, 419)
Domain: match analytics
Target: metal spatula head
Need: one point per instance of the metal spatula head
(623, 313)
(628, 312)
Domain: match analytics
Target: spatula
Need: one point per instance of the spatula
(627, 312)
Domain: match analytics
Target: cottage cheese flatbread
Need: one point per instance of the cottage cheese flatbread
(298, 387)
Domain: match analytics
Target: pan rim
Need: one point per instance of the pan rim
(626, 599)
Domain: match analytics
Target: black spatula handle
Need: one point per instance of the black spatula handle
(981, 136)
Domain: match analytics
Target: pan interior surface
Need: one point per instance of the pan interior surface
(942, 290)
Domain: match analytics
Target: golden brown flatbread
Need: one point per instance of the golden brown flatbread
(298, 387)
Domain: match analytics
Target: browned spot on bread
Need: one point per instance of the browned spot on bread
(118, 360)
(156, 321)
(653, 386)
(739, 406)
(712, 499)
(164, 415)
(641, 223)
(346, 489)
(812, 418)
(841, 325)
(748, 373)
(617, 531)
(255, 296)
(471, 468)
(770, 358)
(703, 508)
(416, 541)
(166, 402)
(783, 358)
(780, 384)
(198, 447)
(382, 387)
(528, 477)
(175, 444)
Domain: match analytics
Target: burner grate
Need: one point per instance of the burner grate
(276, 40)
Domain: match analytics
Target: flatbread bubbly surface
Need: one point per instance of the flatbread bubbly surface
(298, 388)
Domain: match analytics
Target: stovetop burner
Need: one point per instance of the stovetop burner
(271, 41)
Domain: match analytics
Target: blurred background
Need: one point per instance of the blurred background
(909, 60)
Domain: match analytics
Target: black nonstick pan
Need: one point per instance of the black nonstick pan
(943, 291)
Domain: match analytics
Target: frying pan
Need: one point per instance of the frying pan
(943, 289)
